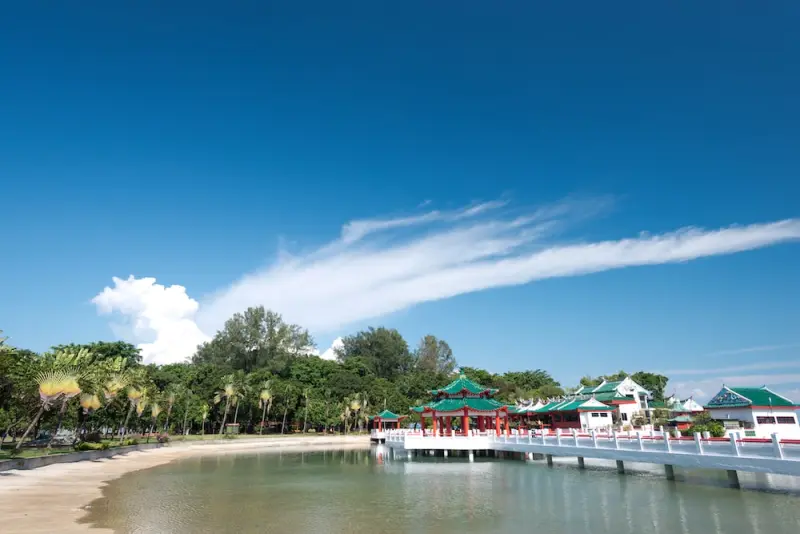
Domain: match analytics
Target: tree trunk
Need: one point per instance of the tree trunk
(28, 430)
(58, 424)
(224, 417)
(263, 415)
(185, 418)
(283, 425)
(166, 425)
(305, 417)
(124, 428)
(236, 414)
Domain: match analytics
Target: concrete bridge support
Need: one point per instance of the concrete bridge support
(549, 460)
(620, 467)
(733, 478)
(581, 463)
(669, 471)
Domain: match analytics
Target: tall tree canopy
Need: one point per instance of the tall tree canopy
(383, 351)
(254, 339)
(434, 355)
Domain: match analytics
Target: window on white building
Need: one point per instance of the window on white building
(595, 415)
(603, 414)
(624, 416)
(786, 421)
(765, 420)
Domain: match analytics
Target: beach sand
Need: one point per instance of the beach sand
(52, 499)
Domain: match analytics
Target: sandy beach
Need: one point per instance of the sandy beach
(53, 498)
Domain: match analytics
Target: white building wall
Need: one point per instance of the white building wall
(790, 431)
(629, 410)
(602, 420)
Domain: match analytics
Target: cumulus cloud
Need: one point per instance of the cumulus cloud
(330, 354)
(161, 319)
(358, 277)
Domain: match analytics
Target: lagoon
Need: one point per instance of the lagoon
(358, 491)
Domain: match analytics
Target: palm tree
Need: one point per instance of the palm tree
(204, 414)
(288, 394)
(265, 402)
(53, 384)
(170, 398)
(305, 416)
(155, 411)
(355, 407)
(188, 395)
(228, 392)
(136, 398)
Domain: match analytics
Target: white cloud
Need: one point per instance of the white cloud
(355, 279)
(164, 316)
(330, 354)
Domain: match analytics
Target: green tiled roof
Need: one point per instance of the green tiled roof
(682, 419)
(609, 396)
(386, 415)
(453, 405)
(461, 385)
(655, 405)
(745, 397)
(608, 387)
(548, 407)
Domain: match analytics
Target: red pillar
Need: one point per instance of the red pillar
(497, 422)
(449, 425)
(433, 419)
(481, 424)
(465, 422)
(422, 424)
(508, 425)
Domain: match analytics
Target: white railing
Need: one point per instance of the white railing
(734, 452)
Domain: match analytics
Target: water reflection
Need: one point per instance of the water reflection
(371, 491)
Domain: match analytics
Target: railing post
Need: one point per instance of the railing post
(776, 445)
(734, 444)
(543, 438)
(558, 437)
(575, 437)
(594, 438)
(667, 444)
(698, 440)
(639, 439)
(616, 439)
(530, 436)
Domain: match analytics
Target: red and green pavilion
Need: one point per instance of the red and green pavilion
(463, 398)
(386, 419)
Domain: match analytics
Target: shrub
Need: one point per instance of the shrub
(163, 438)
(86, 446)
(92, 437)
(229, 436)
(129, 442)
(714, 428)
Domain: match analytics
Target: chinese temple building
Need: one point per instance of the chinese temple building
(626, 396)
(759, 411)
(462, 401)
(386, 420)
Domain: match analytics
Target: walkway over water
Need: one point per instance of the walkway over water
(732, 454)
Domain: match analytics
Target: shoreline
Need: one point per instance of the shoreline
(54, 498)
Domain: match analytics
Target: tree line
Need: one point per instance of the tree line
(258, 372)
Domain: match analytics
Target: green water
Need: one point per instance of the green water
(357, 491)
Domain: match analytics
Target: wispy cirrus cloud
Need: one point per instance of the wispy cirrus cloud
(481, 246)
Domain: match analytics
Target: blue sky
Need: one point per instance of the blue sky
(226, 149)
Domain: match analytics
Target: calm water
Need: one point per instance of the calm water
(360, 491)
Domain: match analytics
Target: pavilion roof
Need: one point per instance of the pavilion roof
(386, 415)
(571, 405)
(747, 397)
(453, 405)
(462, 385)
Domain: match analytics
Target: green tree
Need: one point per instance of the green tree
(256, 339)
(383, 351)
(652, 382)
(434, 356)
